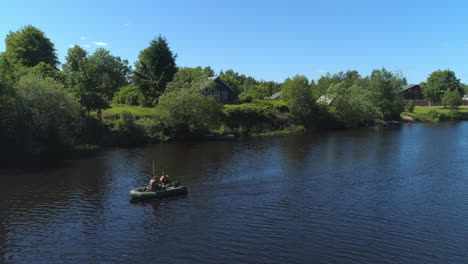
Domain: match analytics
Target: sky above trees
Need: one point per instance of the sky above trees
(270, 40)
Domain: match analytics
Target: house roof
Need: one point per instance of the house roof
(407, 87)
(324, 100)
(219, 80)
(275, 95)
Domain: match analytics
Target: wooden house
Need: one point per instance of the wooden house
(216, 87)
(412, 92)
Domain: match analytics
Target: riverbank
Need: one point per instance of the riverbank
(437, 114)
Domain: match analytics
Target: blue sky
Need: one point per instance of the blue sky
(270, 40)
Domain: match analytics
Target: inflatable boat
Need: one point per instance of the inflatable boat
(141, 193)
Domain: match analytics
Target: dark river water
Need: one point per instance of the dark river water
(379, 195)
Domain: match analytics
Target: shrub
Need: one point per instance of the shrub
(249, 118)
(152, 129)
(452, 99)
(409, 106)
(436, 116)
(129, 95)
(188, 111)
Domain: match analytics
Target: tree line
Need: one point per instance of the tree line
(48, 107)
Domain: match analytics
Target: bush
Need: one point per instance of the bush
(436, 116)
(246, 119)
(152, 129)
(409, 106)
(188, 111)
(452, 99)
(53, 118)
(125, 131)
(129, 95)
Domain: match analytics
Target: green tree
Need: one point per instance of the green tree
(385, 89)
(29, 46)
(95, 79)
(154, 69)
(352, 105)
(186, 77)
(110, 73)
(76, 57)
(438, 83)
(297, 94)
(452, 99)
(53, 116)
(189, 111)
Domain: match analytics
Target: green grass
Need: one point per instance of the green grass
(134, 110)
(421, 112)
(287, 131)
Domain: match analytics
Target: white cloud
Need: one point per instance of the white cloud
(83, 38)
(71, 46)
(322, 71)
(87, 45)
(100, 43)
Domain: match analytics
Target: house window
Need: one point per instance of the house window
(224, 95)
(216, 94)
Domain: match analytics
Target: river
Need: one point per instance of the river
(375, 195)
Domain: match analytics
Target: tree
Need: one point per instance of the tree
(385, 89)
(110, 72)
(353, 106)
(95, 79)
(53, 116)
(452, 99)
(189, 111)
(438, 83)
(186, 77)
(297, 94)
(29, 46)
(154, 69)
(76, 56)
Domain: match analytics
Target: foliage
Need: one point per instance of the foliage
(249, 118)
(297, 94)
(385, 89)
(95, 79)
(152, 129)
(353, 106)
(29, 46)
(138, 111)
(53, 116)
(409, 106)
(76, 57)
(109, 72)
(129, 95)
(187, 77)
(154, 69)
(438, 83)
(452, 99)
(189, 111)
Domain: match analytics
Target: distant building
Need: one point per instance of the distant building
(324, 100)
(412, 92)
(274, 97)
(216, 87)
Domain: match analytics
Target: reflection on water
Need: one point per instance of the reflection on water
(394, 195)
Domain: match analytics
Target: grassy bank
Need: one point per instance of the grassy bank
(137, 111)
(438, 113)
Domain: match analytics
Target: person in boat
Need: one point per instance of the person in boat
(164, 181)
(153, 184)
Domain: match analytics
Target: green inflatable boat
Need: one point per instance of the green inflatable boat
(141, 193)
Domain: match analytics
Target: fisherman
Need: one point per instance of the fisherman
(164, 181)
(153, 184)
